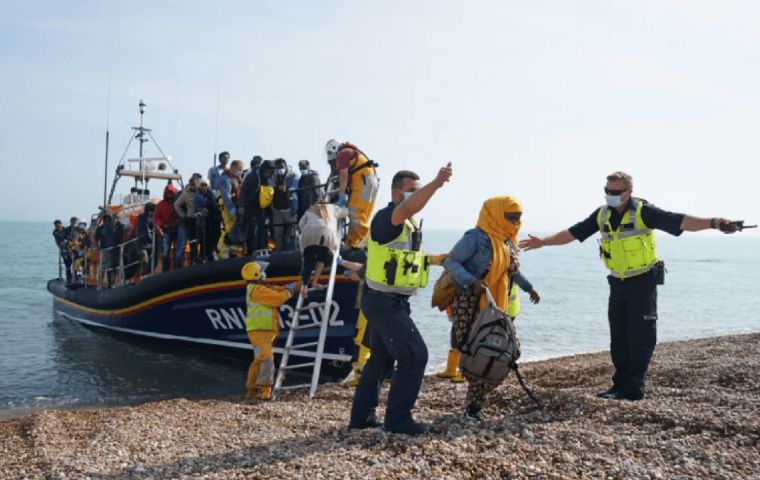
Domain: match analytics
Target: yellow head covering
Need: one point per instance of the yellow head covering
(499, 230)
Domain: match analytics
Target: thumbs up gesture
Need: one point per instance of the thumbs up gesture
(444, 174)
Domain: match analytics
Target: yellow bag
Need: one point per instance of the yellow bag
(266, 196)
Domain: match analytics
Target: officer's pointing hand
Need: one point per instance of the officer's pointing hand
(724, 225)
(444, 174)
(531, 243)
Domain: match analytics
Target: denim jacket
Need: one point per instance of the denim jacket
(469, 258)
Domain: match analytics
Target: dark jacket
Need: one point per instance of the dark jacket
(106, 235)
(307, 198)
(249, 192)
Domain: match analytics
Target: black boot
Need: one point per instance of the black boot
(371, 422)
(472, 412)
(407, 428)
(611, 392)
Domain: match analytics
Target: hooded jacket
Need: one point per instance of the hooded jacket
(164, 213)
(249, 192)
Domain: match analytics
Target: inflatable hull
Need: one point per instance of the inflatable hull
(204, 305)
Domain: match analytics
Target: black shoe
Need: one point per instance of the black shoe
(632, 396)
(371, 422)
(472, 412)
(408, 428)
(613, 390)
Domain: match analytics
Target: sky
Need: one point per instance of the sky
(539, 100)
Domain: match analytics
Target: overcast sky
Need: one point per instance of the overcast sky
(536, 99)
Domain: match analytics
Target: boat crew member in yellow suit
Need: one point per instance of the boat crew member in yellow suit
(358, 184)
(262, 323)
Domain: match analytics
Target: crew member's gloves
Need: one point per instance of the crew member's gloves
(233, 212)
(342, 199)
(338, 260)
(291, 286)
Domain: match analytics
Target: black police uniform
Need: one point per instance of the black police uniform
(632, 310)
(394, 339)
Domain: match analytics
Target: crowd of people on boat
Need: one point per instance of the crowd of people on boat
(235, 211)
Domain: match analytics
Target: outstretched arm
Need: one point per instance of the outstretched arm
(409, 207)
(560, 238)
(695, 224)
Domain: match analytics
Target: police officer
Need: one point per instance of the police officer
(396, 268)
(627, 248)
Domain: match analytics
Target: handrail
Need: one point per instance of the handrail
(121, 266)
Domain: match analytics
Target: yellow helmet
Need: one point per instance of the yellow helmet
(251, 271)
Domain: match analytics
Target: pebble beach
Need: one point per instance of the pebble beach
(701, 419)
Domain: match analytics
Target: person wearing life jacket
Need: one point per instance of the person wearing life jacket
(396, 269)
(629, 251)
(358, 184)
(519, 280)
(262, 324)
(229, 188)
(482, 259)
(250, 206)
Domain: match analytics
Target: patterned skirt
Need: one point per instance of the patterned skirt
(465, 309)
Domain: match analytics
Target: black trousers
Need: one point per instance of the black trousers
(395, 339)
(632, 315)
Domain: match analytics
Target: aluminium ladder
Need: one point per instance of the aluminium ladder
(296, 349)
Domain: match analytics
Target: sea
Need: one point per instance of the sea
(712, 288)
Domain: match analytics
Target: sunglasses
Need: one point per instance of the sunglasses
(614, 192)
(513, 217)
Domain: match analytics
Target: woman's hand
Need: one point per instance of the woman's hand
(478, 286)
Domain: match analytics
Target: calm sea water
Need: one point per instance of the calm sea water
(712, 288)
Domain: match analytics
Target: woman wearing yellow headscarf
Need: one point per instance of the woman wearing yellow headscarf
(484, 257)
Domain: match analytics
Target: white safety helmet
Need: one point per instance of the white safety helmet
(331, 148)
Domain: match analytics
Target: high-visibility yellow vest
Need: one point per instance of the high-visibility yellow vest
(630, 249)
(513, 307)
(258, 317)
(395, 267)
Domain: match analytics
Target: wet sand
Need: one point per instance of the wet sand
(701, 419)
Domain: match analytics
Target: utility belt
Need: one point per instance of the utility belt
(656, 271)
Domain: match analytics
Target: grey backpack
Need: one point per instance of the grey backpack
(492, 348)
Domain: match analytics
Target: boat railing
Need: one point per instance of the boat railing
(103, 260)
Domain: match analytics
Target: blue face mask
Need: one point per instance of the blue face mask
(304, 172)
(280, 171)
(407, 195)
(614, 201)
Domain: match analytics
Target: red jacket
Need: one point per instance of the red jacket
(164, 212)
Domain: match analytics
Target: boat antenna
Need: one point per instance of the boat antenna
(216, 127)
(108, 122)
(141, 131)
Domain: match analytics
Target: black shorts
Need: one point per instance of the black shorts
(311, 255)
